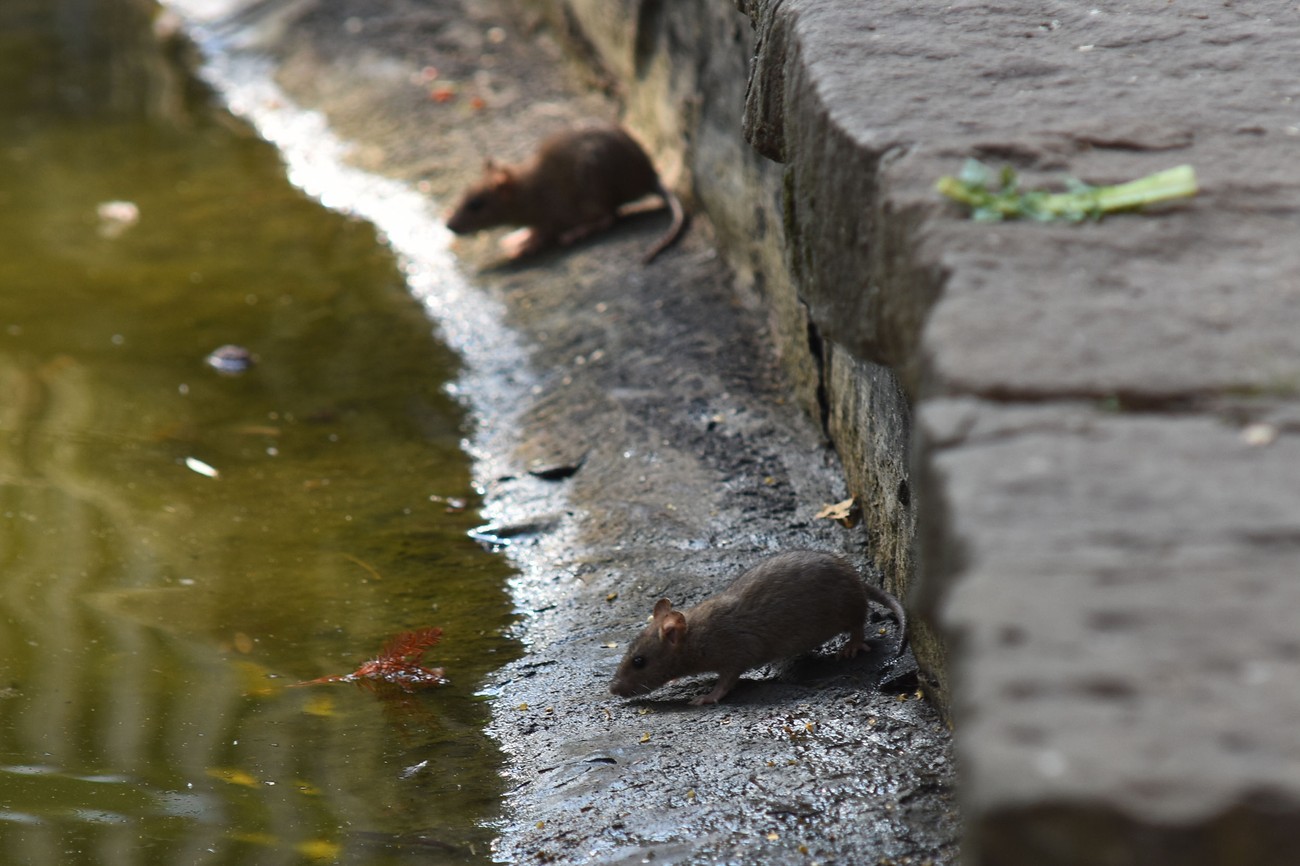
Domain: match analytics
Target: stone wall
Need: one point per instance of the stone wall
(1099, 419)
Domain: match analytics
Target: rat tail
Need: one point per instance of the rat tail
(885, 599)
(674, 231)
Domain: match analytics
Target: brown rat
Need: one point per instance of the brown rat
(788, 604)
(572, 187)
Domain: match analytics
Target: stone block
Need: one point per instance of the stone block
(1120, 593)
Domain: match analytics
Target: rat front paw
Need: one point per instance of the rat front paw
(523, 242)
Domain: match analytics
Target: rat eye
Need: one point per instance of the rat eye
(638, 662)
(475, 204)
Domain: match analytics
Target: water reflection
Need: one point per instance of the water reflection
(152, 614)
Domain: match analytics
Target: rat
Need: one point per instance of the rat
(572, 187)
(788, 604)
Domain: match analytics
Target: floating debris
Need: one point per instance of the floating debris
(194, 464)
(115, 217)
(230, 360)
(398, 664)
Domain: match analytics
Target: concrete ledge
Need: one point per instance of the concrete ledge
(1106, 464)
(1123, 625)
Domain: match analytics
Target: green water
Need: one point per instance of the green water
(152, 617)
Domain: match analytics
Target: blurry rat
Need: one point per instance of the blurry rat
(788, 604)
(572, 187)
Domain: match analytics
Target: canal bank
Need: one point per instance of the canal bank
(692, 457)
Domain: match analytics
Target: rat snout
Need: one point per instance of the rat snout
(618, 687)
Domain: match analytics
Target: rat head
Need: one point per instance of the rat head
(486, 204)
(654, 657)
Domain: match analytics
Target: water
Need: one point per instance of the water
(152, 616)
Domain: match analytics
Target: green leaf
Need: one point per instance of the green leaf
(988, 202)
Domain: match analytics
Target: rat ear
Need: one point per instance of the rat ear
(662, 606)
(501, 181)
(495, 174)
(672, 628)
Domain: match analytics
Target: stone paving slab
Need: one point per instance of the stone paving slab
(1124, 632)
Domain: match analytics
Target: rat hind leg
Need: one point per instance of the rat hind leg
(857, 642)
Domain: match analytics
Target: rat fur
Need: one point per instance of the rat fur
(572, 187)
(786, 605)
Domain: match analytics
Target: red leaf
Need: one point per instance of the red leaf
(398, 664)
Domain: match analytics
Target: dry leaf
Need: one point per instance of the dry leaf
(398, 665)
(844, 513)
(837, 511)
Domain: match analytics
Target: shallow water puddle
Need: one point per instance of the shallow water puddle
(179, 546)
